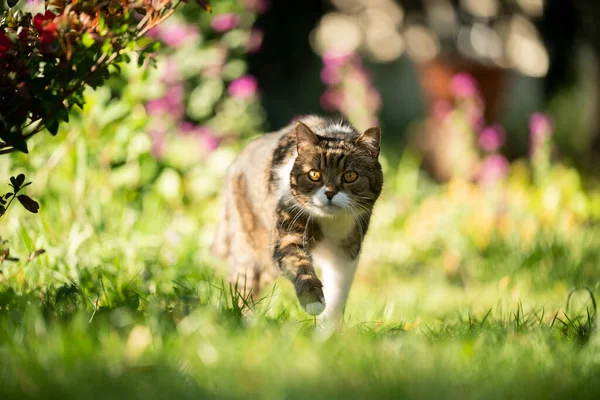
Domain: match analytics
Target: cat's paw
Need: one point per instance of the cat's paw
(309, 290)
(315, 308)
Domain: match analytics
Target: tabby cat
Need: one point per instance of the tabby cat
(298, 198)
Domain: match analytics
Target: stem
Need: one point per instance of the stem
(10, 202)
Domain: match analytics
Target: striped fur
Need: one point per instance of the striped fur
(277, 219)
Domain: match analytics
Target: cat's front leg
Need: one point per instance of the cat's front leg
(296, 263)
(338, 270)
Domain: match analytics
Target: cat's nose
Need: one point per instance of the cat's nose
(330, 194)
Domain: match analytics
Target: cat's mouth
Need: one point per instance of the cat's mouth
(329, 209)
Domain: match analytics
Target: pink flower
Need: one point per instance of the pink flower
(492, 138)
(208, 139)
(177, 34)
(494, 167)
(187, 127)
(463, 85)
(225, 22)
(540, 125)
(158, 137)
(255, 40)
(243, 87)
(441, 109)
(331, 100)
(333, 59)
(258, 6)
(330, 75)
(171, 103)
(171, 73)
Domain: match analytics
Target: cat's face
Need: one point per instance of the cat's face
(331, 176)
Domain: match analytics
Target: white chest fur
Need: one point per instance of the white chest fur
(337, 227)
(328, 253)
(337, 266)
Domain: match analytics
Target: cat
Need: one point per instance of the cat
(298, 198)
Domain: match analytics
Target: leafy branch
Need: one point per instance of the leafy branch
(18, 184)
(49, 59)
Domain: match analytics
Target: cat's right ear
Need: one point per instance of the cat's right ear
(305, 137)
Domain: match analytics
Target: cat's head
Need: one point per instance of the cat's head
(337, 172)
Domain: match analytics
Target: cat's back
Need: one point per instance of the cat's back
(262, 160)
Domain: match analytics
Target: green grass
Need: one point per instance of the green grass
(126, 302)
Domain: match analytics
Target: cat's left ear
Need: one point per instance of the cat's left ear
(305, 137)
(370, 141)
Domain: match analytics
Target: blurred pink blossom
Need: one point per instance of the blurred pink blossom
(494, 167)
(255, 40)
(492, 138)
(243, 87)
(333, 59)
(540, 125)
(258, 6)
(187, 127)
(174, 34)
(331, 100)
(330, 75)
(158, 137)
(441, 109)
(463, 85)
(171, 103)
(541, 128)
(225, 22)
(171, 73)
(474, 112)
(208, 139)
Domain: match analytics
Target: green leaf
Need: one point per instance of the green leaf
(29, 204)
(12, 3)
(101, 24)
(154, 47)
(87, 40)
(52, 127)
(21, 146)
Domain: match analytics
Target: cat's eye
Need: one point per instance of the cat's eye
(350, 176)
(314, 175)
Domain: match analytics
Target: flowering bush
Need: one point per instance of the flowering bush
(47, 60)
(202, 94)
(349, 89)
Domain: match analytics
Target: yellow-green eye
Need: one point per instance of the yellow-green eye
(314, 175)
(350, 176)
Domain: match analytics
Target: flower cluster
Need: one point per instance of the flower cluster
(349, 89)
(205, 95)
(48, 59)
(476, 148)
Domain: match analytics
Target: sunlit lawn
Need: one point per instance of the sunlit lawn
(126, 301)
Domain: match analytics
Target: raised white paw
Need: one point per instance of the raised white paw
(315, 308)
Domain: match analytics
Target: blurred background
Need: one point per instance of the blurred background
(392, 63)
